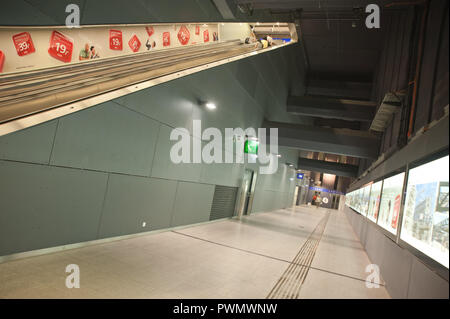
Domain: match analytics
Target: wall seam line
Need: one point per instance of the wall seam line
(53, 143)
(154, 150)
(103, 207)
(173, 205)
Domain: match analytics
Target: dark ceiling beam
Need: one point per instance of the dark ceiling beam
(346, 142)
(335, 168)
(339, 89)
(335, 123)
(353, 110)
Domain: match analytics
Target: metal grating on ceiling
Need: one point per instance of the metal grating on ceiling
(390, 105)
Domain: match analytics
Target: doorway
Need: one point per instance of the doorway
(335, 201)
(296, 196)
(247, 193)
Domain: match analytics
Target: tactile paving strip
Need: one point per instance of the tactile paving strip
(290, 283)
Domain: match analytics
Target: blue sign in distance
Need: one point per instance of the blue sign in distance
(299, 175)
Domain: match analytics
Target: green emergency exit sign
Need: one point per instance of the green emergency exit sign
(251, 147)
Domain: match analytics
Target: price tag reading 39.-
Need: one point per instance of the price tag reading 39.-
(61, 47)
(23, 43)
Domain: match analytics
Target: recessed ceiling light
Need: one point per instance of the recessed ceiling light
(278, 155)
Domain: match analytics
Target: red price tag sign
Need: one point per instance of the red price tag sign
(115, 40)
(134, 43)
(166, 39)
(206, 36)
(61, 47)
(23, 43)
(2, 61)
(183, 35)
(150, 31)
(197, 29)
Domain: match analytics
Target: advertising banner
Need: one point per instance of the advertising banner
(390, 202)
(426, 214)
(28, 48)
(2, 61)
(150, 30)
(374, 204)
(23, 43)
(115, 40)
(166, 39)
(61, 47)
(183, 35)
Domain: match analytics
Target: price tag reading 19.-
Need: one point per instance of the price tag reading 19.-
(61, 47)
(23, 43)
(115, 40)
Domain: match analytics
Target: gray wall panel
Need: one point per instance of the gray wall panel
(404, 274)
(170, 103)
(426, 284)
(163, 167)
(132, 200)
(44, 206)
(107, 137)
(192, 203)
(395, 267)
(33, 144)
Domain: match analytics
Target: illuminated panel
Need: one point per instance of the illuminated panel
(374, 203)
(391, 198)
(425, 217)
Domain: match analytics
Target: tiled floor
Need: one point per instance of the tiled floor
(224, 259)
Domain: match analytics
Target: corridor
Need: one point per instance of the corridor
(303, 252)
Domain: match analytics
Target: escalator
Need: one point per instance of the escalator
(39, 91)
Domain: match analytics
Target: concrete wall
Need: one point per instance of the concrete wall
(104, 171)
(406, 275)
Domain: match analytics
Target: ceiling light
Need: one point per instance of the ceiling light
(278, 155)
(210, 106)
